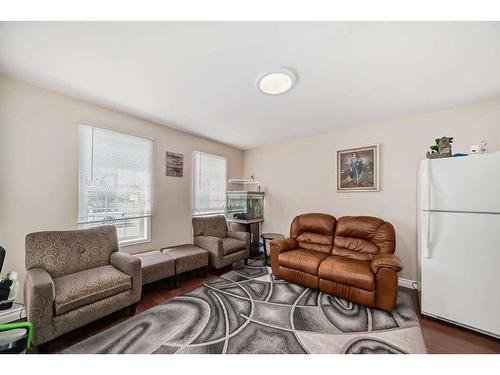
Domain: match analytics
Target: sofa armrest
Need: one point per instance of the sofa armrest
(279, 246)
(242, 236)
(386, 261)
(39, 296)
(131, 265)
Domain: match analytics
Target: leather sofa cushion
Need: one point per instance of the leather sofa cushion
(310, 237)
(232, 245)
(314, 231)
(316, 223)
(347, 271)
(302, 260)
(356, 244)
(299, 277)
(351, 254)
(365, 234)
(85, 287)
(315, 241)
(350, 293)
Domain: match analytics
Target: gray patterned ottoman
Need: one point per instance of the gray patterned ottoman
(155, 266)
(187, 257)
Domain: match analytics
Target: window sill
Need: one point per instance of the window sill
(133, 242)
(209, 214)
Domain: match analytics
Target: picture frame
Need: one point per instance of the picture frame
(358, 169)
(174, 164)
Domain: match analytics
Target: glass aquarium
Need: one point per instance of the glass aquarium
(245, 205)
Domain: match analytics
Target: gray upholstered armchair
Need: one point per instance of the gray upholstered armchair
(75, 277)
(224, 246)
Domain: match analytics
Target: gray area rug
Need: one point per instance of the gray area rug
(248, 310)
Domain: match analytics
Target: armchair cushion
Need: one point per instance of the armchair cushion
(85, 287)
(215, 226)
(64, 252)
(231, 245)
(386, 261)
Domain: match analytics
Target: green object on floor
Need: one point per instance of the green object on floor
(19, 325)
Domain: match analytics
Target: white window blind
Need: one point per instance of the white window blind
(115, 182)
(209, 193)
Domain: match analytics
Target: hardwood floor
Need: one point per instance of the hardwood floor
(445, 338)
(440, 337)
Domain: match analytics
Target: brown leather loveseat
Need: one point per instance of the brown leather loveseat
(352, 258)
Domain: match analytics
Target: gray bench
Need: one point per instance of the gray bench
(171, 261)
(187, 258)
(155, 266)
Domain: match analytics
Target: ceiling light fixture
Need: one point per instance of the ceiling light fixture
(277, 82)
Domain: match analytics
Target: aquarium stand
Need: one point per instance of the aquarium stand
(249, 226)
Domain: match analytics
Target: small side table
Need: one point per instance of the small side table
(269, 237)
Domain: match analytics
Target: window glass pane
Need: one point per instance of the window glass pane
(115, 181)
(209, 181)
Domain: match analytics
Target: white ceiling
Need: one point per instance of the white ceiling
(201, 77)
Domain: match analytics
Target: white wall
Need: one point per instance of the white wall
(39, 167)
(299, 176)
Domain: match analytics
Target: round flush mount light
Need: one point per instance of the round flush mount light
(277, 82)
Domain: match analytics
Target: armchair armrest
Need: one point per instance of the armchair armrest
(39, 296)
(386, 261)
(212, 244)
(130, 265)
(242, 236)
(214, 247)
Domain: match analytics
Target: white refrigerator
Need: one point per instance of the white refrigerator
(459, 241)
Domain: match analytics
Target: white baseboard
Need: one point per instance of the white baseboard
(16, 312)
(410, 284)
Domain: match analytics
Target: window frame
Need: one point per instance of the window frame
(223, 212)
(149, 218)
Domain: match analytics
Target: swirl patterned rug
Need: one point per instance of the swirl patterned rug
(248, 310)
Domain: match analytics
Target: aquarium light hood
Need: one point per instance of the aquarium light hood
(244, 181)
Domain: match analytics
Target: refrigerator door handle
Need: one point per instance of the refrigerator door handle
(426, 184)
(427, 235)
